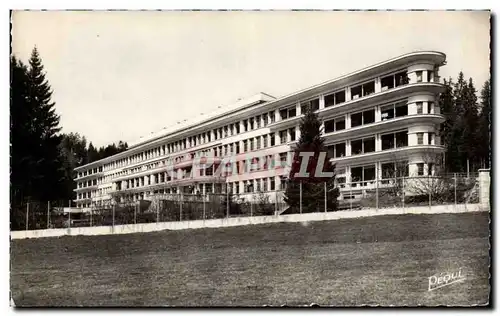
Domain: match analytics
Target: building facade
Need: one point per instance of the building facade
(378, 122)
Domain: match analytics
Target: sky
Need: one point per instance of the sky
(123, 75)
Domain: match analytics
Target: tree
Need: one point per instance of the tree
(92, 154)
(313, 188)
(74, 152)
(36, 169)
(484, 127)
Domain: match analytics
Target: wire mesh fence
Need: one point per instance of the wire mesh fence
(400, 192)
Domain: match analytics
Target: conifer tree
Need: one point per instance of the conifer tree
(313, 188)
(484, 127)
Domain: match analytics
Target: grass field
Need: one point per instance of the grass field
(383, 260)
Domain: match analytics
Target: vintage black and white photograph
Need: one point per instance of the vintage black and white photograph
(208, 158)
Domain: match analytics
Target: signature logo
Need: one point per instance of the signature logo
(443, 279)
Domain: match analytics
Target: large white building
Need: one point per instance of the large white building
(375, 120)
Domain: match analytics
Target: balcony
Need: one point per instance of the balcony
(383, 126)
(176, 182)
(392, 154)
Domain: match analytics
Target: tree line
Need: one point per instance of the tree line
(42, 158)
(466, 132)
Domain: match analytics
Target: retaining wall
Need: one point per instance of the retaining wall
(240, 221)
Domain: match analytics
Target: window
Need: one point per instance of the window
(430, 76)
(257, 146)
(329, 100)
(356, 119)
(387, 82)
(401, 78)
(368, 88)
(430, 107)
(356, 147)
(335, 98)
(329, 126)
(245, 125)
(292, 134)
(271, 117)
(420, 169)
(430, 169)
(283, 159)
(368, 145)
(366, 173)
(430, 138)
(387, 112)
(288, 113)
(388, 170)
(419, 76)
(257, 121)
(271, 184)
(264, 141)
(313, 104)
(401, 109)
(272, 139)
(245, 146)
(340, 150)
(265, 118)
(420, 138)
(283, 137)
(339, 124)
(251, 123)
(251, 141)
(282, 182)
(237, 127)
(356, 92)
(362, 118)
(264, 184)
(402, 139)
(394, 110)
(420, 107)
(388, 141)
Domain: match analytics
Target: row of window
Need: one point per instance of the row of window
(367, 145)
(389, 170)
(389, 81)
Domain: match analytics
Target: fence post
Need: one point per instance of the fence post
(251, 208)
(69, 213)
(180, 207)
(27, 214)
(350, 194)
(157, 213)
(227, 202)
(204, 210)
(276, 203)
(326, 206)
(403, 194)
(455, 176)
(430, 189)
(91, 213)
(135, 214)
(376, 189)
(48, 214)
(300, 197)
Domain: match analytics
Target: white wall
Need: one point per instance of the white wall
(240, 221)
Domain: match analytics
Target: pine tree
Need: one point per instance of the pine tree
(23, 164)
(313, 188)
(46, 128)
(92, 153)
(484, 127)
(470, 122)
(36, 169)
(447, 107)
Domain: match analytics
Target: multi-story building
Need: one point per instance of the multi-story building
(375, 120)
